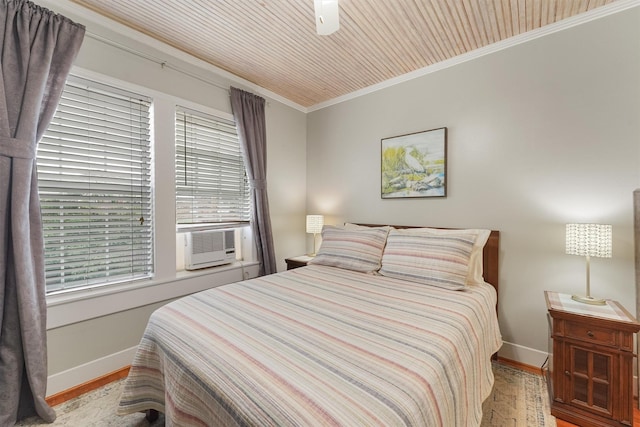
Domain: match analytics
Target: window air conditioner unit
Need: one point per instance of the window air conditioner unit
(209, 248)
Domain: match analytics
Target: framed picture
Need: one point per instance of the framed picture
(415, 165)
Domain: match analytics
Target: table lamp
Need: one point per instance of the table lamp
(589, 240)
(314, 226)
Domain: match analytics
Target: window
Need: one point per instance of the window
(211, 182)
(94, 178)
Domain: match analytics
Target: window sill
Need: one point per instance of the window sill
(77, 306)
(185, 228)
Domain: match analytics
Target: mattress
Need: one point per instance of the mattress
(318, 345)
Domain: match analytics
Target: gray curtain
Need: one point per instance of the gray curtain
(248, 111)
(36, 52)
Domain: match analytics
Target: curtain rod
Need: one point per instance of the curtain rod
(161, 62)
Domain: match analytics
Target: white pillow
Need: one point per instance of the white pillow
(433, 259)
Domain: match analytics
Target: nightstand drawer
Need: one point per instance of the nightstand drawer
(591, 334)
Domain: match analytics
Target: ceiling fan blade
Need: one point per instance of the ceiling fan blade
(327, 16)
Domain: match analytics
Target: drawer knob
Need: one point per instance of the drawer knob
(591, 335)
(567, 373)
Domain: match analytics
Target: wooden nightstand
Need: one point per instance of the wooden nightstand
(590, 376)
(298, 261)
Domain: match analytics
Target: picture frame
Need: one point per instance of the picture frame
(414, 165)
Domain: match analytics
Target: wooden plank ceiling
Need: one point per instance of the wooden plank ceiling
(273, 43)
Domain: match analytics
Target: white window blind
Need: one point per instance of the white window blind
(94, 178)
(211, 182)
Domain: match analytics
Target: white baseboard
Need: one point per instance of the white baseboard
(522, 354)
(73, 377)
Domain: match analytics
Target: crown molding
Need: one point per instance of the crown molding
(89, 17)
(228, 78)
(610, 9)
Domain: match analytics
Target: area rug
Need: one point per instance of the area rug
(519, 398)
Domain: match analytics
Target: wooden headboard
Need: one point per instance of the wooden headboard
(490, 253)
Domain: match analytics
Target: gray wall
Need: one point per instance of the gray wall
(540, 134)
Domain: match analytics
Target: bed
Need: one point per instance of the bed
(360, 336)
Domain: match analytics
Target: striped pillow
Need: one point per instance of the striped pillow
(475, 274)
(438, 260)
(358, 250)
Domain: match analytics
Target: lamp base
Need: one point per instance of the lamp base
(588, 300)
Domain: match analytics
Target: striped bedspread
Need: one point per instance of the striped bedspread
(318, 346)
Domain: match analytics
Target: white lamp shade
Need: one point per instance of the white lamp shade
(315, 223)
(589, 240)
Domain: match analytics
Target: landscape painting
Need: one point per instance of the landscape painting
(415, 165)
